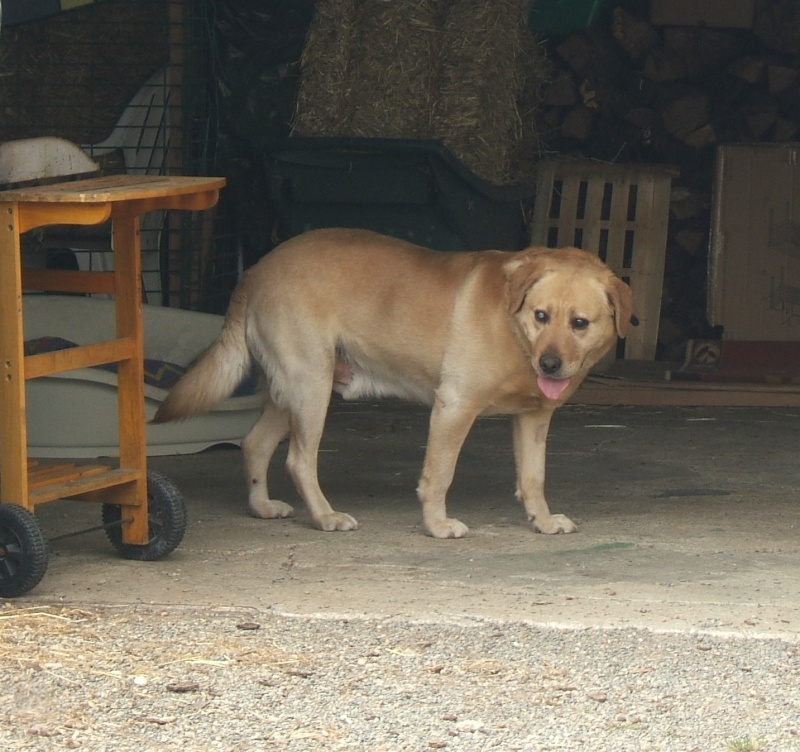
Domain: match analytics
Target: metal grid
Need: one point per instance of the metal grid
(130, 81)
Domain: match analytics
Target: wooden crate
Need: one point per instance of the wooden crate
(619, 212)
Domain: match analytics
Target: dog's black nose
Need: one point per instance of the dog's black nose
(550, 364)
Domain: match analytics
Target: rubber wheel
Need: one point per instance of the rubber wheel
(24, 552)
(166, 513)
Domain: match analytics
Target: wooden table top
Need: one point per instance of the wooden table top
(112, 188)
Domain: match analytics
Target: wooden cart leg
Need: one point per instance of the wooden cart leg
(13, 425)
(130, 377)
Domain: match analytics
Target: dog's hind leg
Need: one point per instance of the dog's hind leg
(308, 411)
(257, 449)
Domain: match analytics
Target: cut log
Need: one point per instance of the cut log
(748, 69)
(781, 78)
(686, 205)
(561, 91)
(577, 52)
(728, 14)
(702, 137)
(785, 130)
(636, 37)
(664, 65)
(589, 96)
(641, 117)
(777, 24)
(760, 122)
(685, 115)
(703, 50)
(577, 124)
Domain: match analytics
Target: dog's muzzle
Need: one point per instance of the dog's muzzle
(550, 365)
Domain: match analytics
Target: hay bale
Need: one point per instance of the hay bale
(464, 73)
(530, 145)
(394, 49)
(359, 55)
(484, 67)
(323, 99)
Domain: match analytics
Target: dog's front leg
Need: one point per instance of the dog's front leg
(530, 444)
(449, 426)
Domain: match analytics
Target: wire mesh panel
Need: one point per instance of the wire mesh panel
(201, 255)
(620, 213)
(72, 73)
(127, 80)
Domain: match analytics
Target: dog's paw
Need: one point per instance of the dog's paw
(554, 524)
(270, 509)
(446, 528)
(335, 521)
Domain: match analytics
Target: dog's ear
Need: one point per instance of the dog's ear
(521, 275)
(621, 298)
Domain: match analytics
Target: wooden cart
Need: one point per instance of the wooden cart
(143, 513)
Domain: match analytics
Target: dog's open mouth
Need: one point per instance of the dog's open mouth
(552, 388)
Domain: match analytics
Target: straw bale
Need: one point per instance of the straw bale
(468, 74)
(391, 85)
(483, 75)
(323, 99)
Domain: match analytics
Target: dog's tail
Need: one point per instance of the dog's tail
(216, 373)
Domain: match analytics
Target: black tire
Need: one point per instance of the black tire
(166, 512)
(24, 551)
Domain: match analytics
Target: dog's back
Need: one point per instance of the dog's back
(370, 310)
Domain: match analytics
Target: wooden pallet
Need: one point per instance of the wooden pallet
(619, 212)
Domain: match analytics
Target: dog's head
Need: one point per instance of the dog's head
(570, 309)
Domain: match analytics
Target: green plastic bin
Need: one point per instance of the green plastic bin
(559, 18)
(415, 190)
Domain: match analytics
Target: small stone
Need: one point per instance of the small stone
(181, 687)
(469, 726)
(161, 720)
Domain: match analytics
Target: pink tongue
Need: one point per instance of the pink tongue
(552, 388)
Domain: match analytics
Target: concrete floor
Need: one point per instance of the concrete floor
(688, 517)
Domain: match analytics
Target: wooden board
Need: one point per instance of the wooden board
(112, 188)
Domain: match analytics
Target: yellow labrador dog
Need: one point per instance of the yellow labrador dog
(364, 315)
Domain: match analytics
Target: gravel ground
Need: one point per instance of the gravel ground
(150, 679)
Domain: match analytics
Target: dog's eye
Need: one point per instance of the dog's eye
(542, 317)
(580, 324)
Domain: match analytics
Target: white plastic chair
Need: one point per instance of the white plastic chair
(142, 131)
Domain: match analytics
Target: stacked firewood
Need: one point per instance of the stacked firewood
(630, 91)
